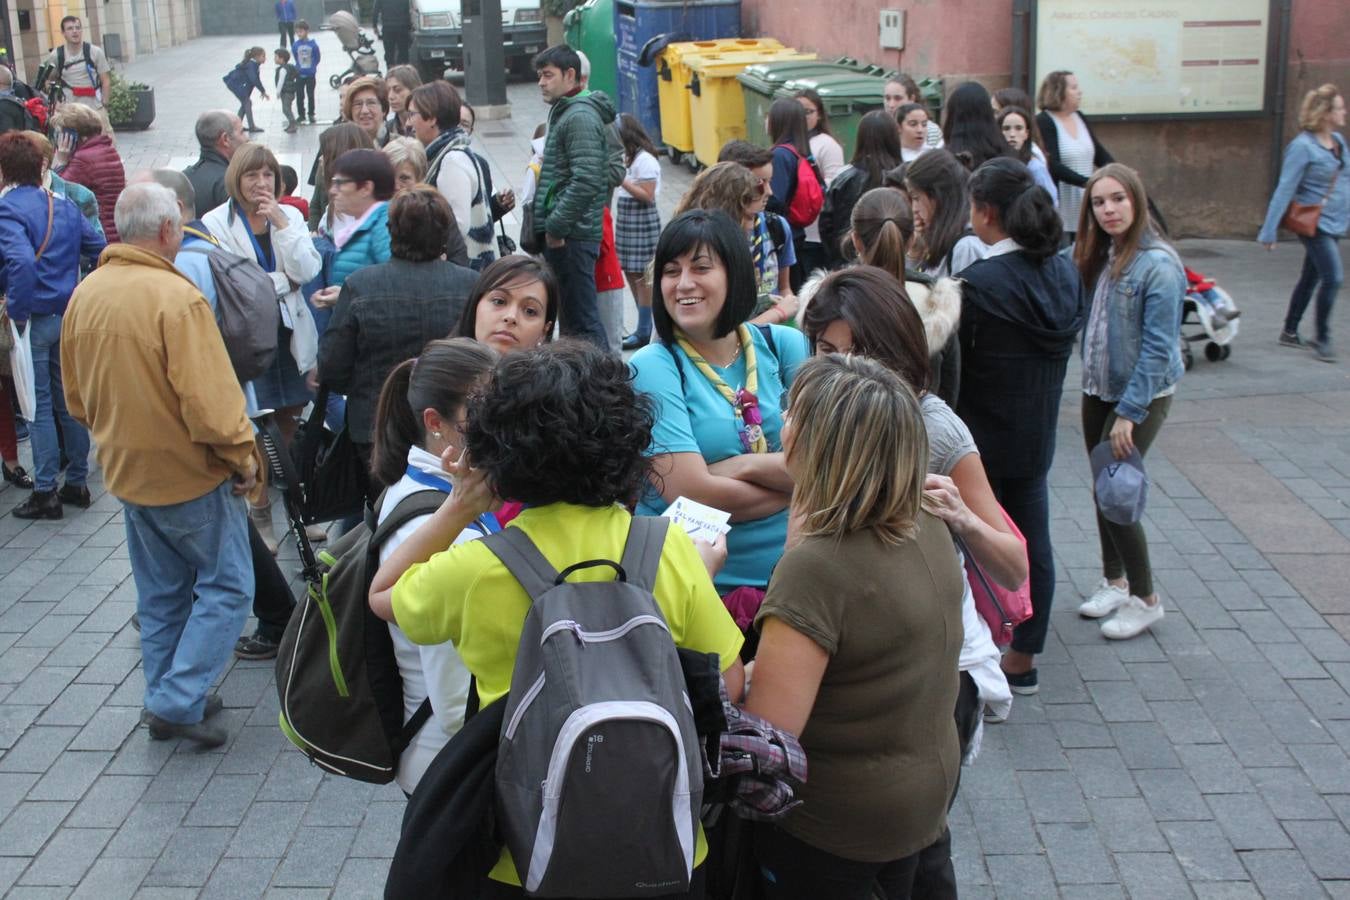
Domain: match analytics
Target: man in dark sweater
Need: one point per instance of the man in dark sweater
(219, 132)
(392, 21)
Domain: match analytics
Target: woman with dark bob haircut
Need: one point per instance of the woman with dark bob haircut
(513, 306)
(386, 313)
(717, 384)
(561, 429)
(360, 189)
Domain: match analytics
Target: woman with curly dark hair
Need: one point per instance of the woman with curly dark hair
(561, 429)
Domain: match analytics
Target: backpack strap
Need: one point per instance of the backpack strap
(523, 560)
(421, 503)
(642, 552)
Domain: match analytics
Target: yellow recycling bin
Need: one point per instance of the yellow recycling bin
(717, 104)
(672, 83)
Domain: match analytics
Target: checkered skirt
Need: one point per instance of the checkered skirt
(636, 231)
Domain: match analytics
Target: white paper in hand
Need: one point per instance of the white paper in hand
(698, 520)
(21, 369)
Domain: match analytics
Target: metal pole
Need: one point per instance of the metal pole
(484, 57)
(1281, 85)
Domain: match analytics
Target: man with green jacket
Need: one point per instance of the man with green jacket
(574, 187)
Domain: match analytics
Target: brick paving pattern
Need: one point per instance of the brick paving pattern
(1205, 759)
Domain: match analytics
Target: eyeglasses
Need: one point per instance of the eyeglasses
(337, 181)
(368, 103)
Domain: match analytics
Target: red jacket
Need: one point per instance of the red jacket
(96, 165)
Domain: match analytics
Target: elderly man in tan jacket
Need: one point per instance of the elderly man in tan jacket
(147, 373)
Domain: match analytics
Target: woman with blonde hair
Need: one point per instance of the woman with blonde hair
(254, 225)
(1072, 151)
(90, 159)
(1314, 173)
(1131, 366)
(731, 188)
(409, 160)
(860, 637)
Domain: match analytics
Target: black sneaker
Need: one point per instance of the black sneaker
(75, 496)
(1289, 339)
(17, 476)
(1024, 683)
(40, 505)
(256, 646)
(199, 732)
(213, 707)
(636, 341)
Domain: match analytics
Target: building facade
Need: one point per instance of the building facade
(125, 29)
(1210, 177)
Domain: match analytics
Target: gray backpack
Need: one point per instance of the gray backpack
(599, 772)
(246, 310)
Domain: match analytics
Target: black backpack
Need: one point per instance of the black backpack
(14, 116)
(247, 309)
(337, 677)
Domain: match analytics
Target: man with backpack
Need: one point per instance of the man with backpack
(143, 357)
(82, 66)
(14, 115)
(574, 187)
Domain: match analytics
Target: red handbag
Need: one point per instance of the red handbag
(1002, 609)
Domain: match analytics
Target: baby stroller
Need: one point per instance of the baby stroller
(358, 45)
(1210, 307)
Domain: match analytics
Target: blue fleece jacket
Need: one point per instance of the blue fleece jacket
(305, 55)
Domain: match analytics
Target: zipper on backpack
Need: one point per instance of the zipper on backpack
(525, 702)
(600, 637)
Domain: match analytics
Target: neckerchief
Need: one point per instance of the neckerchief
(267, 260)
(743, 402)
(484, 524)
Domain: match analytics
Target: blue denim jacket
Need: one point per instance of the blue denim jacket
(1305, 176)
(1142, 335)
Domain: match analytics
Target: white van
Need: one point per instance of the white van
(438, 43)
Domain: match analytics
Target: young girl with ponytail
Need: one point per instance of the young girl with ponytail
(1023, 306)
(417, 435)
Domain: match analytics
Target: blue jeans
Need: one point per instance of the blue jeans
(1321, 270)
(574, 264)
(200, 547)
(45, 336)
(1027, 501)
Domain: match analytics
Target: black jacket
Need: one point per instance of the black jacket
(836, 216)
(1050, 138)
(1019, 321)
(207, 175)
(385, 314)
(391, 16)
(446, 846)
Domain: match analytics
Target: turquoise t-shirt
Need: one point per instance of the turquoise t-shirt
(695, 418)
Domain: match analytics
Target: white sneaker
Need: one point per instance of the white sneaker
(1133, 619)
(1105, 601)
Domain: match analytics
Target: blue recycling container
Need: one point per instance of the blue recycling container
(636, 22)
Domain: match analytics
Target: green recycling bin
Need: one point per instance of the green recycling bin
(760, 81)
(847, 98)
(590, 29)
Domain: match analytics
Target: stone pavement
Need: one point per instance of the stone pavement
(1206, 759)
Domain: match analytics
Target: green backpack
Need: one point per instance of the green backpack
(337, 677)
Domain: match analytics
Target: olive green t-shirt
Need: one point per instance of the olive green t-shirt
(881, 744)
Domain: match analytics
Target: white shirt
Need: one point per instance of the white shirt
(830, 158)
(434, 671)
(644, 168)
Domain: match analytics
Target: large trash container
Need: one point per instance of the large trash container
(716, 105)
(590, 29)
(847, 98)
(760, 81)
(673, 74)
(636, 22)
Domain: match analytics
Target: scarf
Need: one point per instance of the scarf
(744, 402)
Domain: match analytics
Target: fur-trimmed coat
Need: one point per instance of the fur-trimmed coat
(939, 304)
